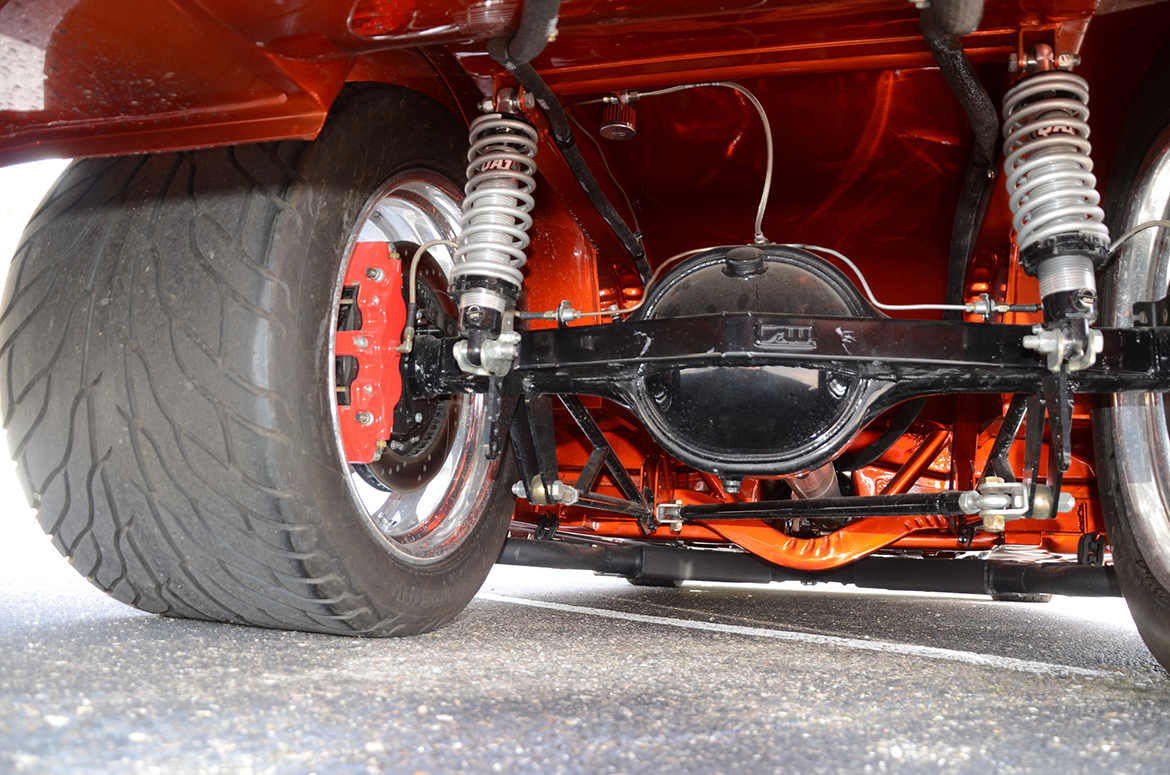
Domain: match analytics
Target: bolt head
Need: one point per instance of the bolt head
(365, 418)
(361, 341)
(418, 417)
(375, 274)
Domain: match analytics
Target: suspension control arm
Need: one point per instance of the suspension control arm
(945, 503)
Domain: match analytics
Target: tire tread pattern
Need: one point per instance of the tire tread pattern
(140, 437)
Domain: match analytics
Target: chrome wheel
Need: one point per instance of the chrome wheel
(428, 482)
(1137, 423)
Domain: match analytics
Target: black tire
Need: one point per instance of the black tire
(165, 347)
(1146, 137)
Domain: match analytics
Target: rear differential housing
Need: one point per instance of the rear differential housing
(743, 419)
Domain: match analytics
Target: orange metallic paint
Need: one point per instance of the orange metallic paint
(871, 145)
(840, 547)
(918, 463)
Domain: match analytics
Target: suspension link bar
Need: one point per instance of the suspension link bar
(613, 463)
(998, 463)
(943, 503)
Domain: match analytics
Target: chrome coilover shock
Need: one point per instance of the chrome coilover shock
(1060, 228)
(486, 279)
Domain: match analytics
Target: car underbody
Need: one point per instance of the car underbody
(750, 292)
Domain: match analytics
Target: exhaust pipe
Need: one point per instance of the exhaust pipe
(968, 577)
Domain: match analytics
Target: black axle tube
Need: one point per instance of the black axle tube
(904, 358)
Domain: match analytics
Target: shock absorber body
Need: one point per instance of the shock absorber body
(1060, 228)
(486, 279)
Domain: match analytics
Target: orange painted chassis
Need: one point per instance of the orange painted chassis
(871, 150)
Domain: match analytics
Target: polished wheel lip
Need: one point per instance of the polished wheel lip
(1137, 422)
(426, 525)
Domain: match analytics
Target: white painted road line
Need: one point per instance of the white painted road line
(885, 647)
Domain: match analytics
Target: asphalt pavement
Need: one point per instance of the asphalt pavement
(562, 671)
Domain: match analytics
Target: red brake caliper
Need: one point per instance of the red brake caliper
(375, 272)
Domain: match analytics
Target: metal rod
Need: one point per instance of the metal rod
(593, 433)
(616, 505)
(917, 463)
(592, 469)
(998, 462)
(945, 502)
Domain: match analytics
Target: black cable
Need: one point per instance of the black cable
(538, 22)
(562, 134)
(958, 17)
(978, 183)
(980, 176)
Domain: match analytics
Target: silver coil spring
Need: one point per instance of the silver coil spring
(500, 182)
(1050, 181)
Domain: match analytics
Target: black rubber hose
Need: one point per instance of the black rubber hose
(976, 193)
(538, 21)
(957, 17)
(851, 461)
(979, 180)
(562, 134)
